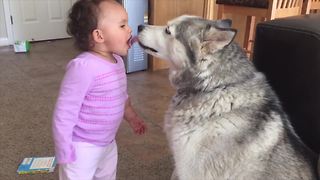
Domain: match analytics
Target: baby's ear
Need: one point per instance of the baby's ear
(215, 38)
(97, 36)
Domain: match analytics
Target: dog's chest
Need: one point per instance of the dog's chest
(199, 132)
(187, 115)
(189, 127)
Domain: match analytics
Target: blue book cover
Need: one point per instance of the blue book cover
(35, 165)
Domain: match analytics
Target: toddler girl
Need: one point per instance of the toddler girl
(93, 97)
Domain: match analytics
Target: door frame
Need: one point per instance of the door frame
(9, 39)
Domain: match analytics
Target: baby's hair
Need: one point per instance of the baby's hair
(83, 19)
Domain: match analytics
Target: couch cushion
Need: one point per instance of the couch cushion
(287, 50)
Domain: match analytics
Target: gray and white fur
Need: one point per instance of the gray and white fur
(224, 122)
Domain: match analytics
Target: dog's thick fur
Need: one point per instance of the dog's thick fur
(224, 122)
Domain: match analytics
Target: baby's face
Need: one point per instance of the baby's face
(113, 22)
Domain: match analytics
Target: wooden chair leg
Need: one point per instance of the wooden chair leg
(306, 7)
(249, 34)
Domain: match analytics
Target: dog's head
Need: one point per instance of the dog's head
(186, 38)
(191, 44)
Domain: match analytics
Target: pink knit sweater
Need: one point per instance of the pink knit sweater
(91, 103)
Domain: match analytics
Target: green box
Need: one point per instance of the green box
(21, 46)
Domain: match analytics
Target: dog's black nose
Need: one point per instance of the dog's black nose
(140, 28)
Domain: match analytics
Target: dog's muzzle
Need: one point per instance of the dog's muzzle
(147, 48)
(141, 28)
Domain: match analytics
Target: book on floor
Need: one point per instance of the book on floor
(36, 165)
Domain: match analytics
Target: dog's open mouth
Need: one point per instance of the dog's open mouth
(147, 48)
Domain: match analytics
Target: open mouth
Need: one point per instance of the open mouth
(147, 48)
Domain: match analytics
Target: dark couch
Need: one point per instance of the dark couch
(288, 52)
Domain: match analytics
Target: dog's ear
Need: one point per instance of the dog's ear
(224, 23)
(217, 38)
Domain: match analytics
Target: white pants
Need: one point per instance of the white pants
(92, 163)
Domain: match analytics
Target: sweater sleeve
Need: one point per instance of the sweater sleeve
(73, 90)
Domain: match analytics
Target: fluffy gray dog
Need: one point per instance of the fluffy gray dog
(224, 122)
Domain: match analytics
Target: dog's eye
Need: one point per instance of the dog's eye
(167, 31)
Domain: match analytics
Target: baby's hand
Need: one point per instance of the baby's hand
(138, 126)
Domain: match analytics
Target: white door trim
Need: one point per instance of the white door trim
(7, 14)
